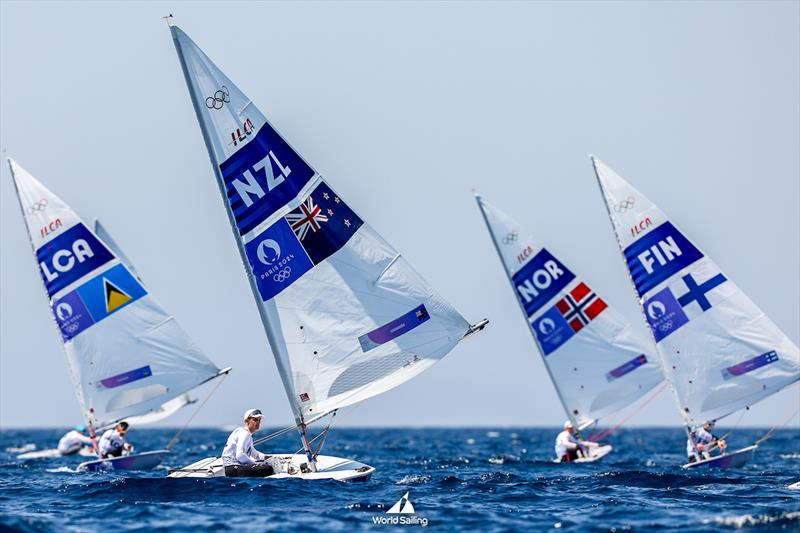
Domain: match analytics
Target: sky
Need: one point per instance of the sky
(405, 107)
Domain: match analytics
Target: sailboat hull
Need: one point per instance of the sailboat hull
(595, 454)
(138, 461)
(735, 459)
(328, 467)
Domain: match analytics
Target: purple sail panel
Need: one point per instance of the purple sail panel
(750, 365)
(394, 329)
(630, 366)
(127, 377)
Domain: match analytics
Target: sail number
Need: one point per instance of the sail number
(272, 178)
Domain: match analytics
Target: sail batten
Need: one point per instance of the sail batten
(345, 315)
(598, 364)
(126, 355)
(720, 352)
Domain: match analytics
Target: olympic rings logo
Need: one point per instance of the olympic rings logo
(666, 326)
(72, 327)
(511, 237)
(38, 207)
(283, 275)
(220, 98)
(625, 204)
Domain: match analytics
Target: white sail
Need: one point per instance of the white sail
(105, 236)
(598, 363)
(346, 316)
(126, 355)
(720, 352)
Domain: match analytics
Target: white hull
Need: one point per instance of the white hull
(735, 459)
(51, 453)
(595, 454)
(328, 467)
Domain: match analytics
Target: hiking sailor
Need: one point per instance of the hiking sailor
(112, 443)
(568, 446)
(73, 440)
(240, 458)
(704, 442)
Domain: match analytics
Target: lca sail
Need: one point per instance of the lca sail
(720, 352)
(346, 316)
(126, 355)
(598, 363)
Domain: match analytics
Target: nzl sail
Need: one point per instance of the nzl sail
(598, 363)
(346, 316)
(126, 355)
(720, 352)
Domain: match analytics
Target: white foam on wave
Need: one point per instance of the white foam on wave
(492, 434)
(413, 480)
(748, 520)
(62, 470)
(496, 460)
(790, 456)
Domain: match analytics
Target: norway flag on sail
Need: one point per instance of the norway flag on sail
(580, 306)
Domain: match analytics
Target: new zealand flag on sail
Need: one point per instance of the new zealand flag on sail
(305, 237)
(323, 223)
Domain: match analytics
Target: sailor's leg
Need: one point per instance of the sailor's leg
(255, 470)
(72, 449)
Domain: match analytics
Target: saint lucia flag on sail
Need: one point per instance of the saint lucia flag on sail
(346, 316)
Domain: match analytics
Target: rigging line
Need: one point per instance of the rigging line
(275, 434)
(776, 428)
(325, 433)
(636, 411)
(736, 425)
(181, 430)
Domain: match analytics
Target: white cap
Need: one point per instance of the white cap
(567, 424)
(252, 413)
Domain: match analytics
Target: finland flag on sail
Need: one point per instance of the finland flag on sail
(687, 298)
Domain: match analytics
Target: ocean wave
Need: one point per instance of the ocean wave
(747, 520)
(413, 480)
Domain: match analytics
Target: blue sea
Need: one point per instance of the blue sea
(466, 479)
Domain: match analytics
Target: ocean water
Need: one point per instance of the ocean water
(466, 479)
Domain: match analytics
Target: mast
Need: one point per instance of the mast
(570, 416)
(301, 426)
(84, 412)
(641, 307)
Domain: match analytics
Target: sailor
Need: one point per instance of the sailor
(73, 440)
(112, 443)
(568, 446)
(240, 458)
(704, 442)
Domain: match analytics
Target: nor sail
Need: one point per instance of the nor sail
(346, 316)
(598, 363)
(127, 356)
(720, 352)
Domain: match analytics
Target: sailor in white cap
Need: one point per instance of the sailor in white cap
(568, 446)
(240, 457)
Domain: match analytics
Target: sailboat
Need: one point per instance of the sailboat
(346, 315)
(127, 356)
(720, 353)
(597, 362)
